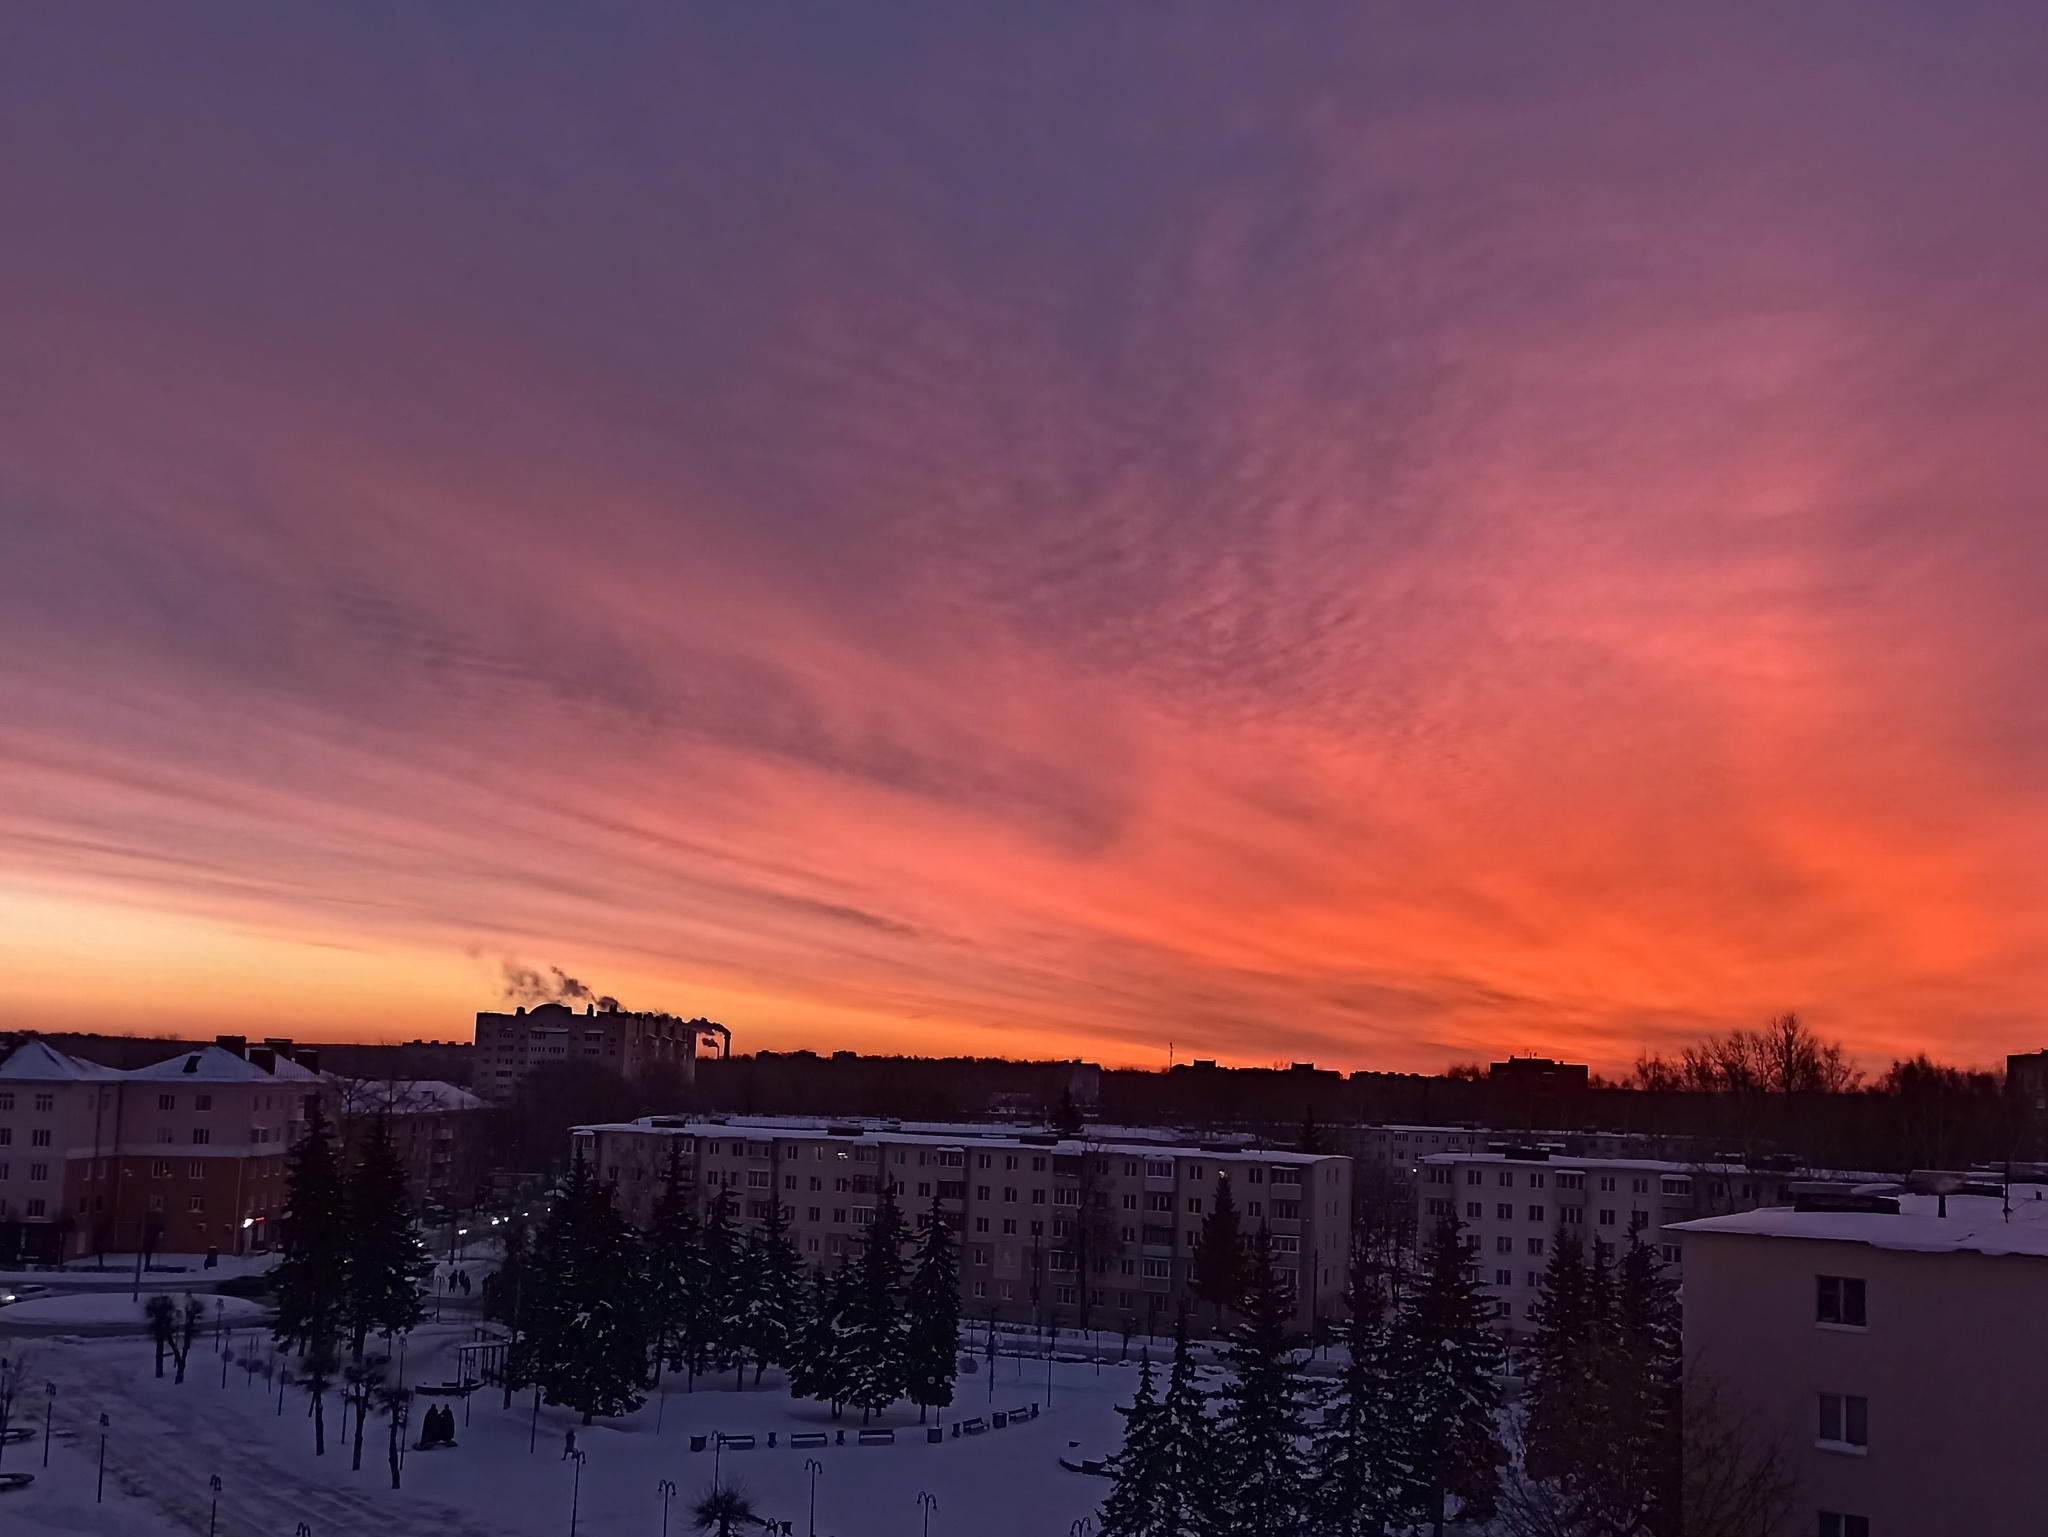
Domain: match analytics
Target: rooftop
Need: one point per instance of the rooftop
(1975, 1224)
(1129, 1140)
(215, 1064)
(37, 1061)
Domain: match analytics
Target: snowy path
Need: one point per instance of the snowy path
(168, 1439)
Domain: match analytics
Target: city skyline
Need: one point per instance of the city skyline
(1370, 538)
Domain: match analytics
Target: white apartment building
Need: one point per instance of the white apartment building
(1015, 1199)
(1514, 1204)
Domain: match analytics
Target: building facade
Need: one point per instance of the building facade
(1895, 1357)
(511, 1046)
(1514, 1203)
(1016, 1199)
(437, 1128)
(185, 1156)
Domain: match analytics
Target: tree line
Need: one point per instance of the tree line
(351, 1265)
(598, 1309)
(1414, 1430)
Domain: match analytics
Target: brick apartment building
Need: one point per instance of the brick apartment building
(184, 1156)
(1014, 1198)
(1895, 1355)
(435, 1126)
(510, 1046)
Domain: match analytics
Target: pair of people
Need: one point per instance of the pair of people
(438, 1428)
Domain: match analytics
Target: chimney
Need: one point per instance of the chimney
(238, 1044)
(264, 1057)
(308, 1057)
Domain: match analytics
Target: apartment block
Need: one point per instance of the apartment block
(1014, 1197)
(1513, 1204)
(185, 1156)
(1896, 1356)
(510, 1046)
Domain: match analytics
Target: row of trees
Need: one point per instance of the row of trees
(1413, 1431)
(1408, 1433)
(351, 1264)
(599, 1309)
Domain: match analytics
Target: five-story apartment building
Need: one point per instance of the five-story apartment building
(1049, 1226)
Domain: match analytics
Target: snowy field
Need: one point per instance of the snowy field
(166, 1442)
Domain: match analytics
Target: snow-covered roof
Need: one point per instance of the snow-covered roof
(1975, 1224)
(951, 1135)
(1549, 1159)
(215, 1064)
(37, 1061)
(407, 1096)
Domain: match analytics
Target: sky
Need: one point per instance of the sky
(1373, 535)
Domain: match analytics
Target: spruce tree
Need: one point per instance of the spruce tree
(1634, 1486)
(873, 1336)
(932, 1316)
(311, 1276)
(585, 1343)
(1219, 1269)
(719, 1344)
(1136, 1499)
(1260, 1424)
(1562, 1427)
(819, 1367)
(1449, 1356)
(1359, 1462)
(678, 1274)
(387, 1262)
(771, 1293)
(1188, 1492)
(1310, 1138)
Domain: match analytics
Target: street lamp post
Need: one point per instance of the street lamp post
(100, 1497)
(667, 1488)
(213, 1510)
(814, 1467)
(927, 1504)
(1082, 1528)
(49, 1404)
(576, 1493)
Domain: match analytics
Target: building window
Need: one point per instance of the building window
(195, 1203)
(1607, 1183)
(40, 1137)
(1503, 1278)
(1505, 1211)
(1673, 1253)
(160, 1169)
(1607, 1216)
(167, 1101)
(981, 1224)
(1835, 1524)
(1571, 1216)
(196, 1169)
(1507, 1179)
(1536, 1247)
(1535, 1214)
(1504, 1245)
(1839, 1301)
(39, 1173)
(201, 1136)
(6, 1101)
(1194, 1206)
(1677, 1187)
(202, 1102)
(981, 1288)
(46, 1102)
(37, 1208)
(1844, 1422)
(1158, 1269)
(1475, 1176)
(6, 1136)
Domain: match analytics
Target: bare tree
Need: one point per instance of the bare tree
(1737, 1481)
(13, 1372)
(1784, 1057)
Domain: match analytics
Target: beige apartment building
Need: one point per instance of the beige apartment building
(1014, 1198)
(1901, 1358)
(510, 1046)
(1513, 1204)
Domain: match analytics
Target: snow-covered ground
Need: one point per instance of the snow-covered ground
(116, 1307)
(167, 1441)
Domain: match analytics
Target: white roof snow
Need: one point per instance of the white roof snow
(1975, 1224)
